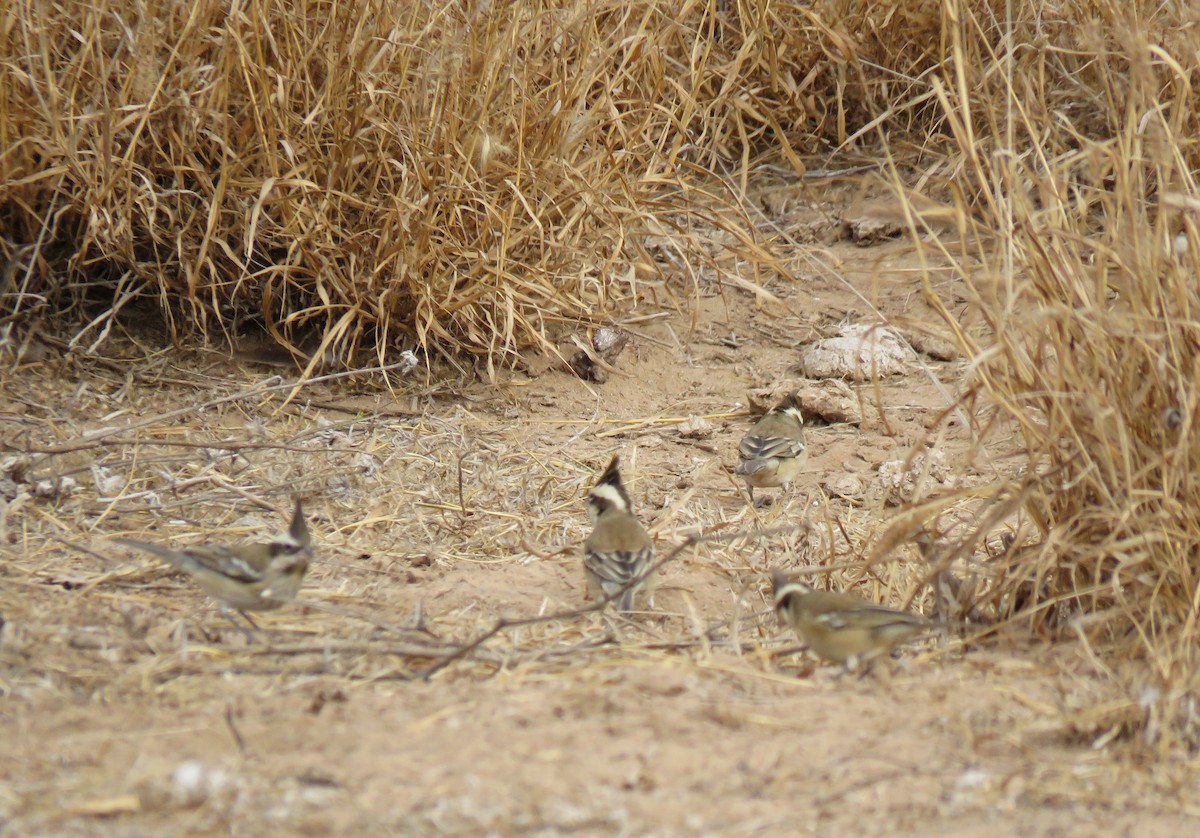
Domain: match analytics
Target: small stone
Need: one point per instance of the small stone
(695, 427)
(849, 486)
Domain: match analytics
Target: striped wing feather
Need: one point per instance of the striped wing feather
(766, 447)
(619, 567)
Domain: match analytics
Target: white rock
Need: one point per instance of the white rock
(926, 471)
(695, 427)
(862, 352)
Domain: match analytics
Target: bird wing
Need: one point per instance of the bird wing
(618, 567)
(244, 566)
(766, 447)
(872, 617)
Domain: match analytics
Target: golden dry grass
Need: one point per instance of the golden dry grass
(1076, 150)
(358, 178)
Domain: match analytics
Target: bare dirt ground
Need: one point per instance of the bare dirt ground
(132, 708)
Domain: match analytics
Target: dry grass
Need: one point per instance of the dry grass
(356, 179)
(1077, 153)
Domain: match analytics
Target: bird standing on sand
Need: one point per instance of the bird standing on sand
(250, 577)
(619, 551)
(773, 453)
(841, 627)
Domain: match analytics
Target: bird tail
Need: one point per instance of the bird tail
(171, 557)
(624, 602)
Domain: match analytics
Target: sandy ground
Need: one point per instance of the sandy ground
(130, 707)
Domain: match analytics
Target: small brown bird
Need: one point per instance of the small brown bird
(841, 627)
(619, 551)
(773, 453)
(250, 577)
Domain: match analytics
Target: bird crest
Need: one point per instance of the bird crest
(609, 492)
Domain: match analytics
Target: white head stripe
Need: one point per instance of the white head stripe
(609, 493)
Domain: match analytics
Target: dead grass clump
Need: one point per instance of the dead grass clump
(386, 173)
(1082, 154)
(368, 176)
